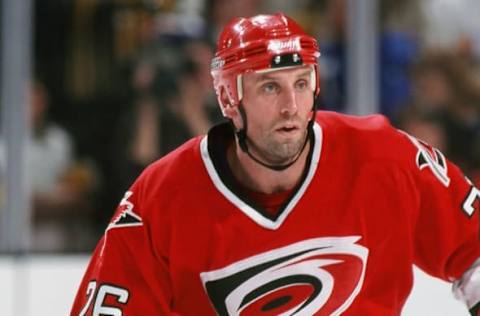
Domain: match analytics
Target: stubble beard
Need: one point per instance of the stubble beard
(280, 151)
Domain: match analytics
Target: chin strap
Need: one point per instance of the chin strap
(242, 140)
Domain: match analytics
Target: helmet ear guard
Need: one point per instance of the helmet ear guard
(224, 100)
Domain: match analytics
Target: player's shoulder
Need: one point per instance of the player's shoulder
(159, 183)
(351, 123)
(173, 170)
(371, 136)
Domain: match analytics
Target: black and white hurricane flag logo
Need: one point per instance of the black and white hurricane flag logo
(432, 158)
(320, 276)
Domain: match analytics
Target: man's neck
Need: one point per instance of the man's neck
(260, 178)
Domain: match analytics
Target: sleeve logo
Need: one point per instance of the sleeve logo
(430, 157)
(126, 217)
(321, 275)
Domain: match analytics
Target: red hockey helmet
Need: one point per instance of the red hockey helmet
(262, 42)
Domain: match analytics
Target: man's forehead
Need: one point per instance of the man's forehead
(265, 74)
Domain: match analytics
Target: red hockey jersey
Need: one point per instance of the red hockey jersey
(372, 202)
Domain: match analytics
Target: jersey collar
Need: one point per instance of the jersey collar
(213, 149)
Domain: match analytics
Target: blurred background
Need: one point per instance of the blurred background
(92, 91)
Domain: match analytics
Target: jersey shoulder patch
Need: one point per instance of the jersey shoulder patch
(125, 215)
(431, 158)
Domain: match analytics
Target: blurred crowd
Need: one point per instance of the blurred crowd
(121, 83)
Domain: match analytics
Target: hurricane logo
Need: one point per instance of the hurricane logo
(320, 276)
(430, 157)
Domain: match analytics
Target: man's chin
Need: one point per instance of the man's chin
(287, 155)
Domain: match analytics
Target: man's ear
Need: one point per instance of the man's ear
(230, 110)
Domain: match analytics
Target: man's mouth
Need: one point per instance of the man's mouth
(287, 128)
(288, 132)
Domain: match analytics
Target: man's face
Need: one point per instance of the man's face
(278, 106)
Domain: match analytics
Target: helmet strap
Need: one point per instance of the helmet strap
(242, 140)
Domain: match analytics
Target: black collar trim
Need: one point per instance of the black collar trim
(213, 148)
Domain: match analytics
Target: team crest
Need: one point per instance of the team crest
(126, 217)
(320, 276)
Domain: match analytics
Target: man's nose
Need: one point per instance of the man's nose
(289, 102)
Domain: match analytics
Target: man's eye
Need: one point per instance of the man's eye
(270, 87)
(302, 85)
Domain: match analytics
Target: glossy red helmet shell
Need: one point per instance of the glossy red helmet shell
(257, 43)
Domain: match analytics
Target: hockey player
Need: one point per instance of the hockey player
(284, 210)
